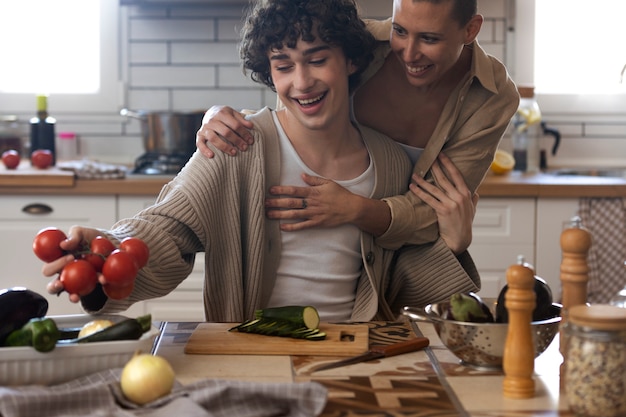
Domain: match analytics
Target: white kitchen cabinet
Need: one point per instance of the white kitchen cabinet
(185, 303)
(553, 214)
(507, 227)
(503, 228)
(22, 216)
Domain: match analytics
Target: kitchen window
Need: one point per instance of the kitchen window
(65, 48)
(573, 53)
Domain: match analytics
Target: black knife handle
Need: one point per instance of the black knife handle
(402, 347)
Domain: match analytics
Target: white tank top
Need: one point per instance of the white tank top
(319, 267)
(413, 152)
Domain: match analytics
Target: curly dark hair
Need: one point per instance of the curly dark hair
(273, 24)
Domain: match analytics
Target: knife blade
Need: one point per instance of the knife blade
(378, 352)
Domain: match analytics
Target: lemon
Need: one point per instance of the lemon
(503, 162)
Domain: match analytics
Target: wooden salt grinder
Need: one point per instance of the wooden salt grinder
(519, 350)
(575, 244)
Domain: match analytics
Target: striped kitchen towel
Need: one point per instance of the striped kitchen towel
(100, 395)
(605, 218)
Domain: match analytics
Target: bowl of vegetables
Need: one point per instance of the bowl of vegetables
(23, 365)
(480, 343)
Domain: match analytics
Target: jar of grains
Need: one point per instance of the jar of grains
(595, 364)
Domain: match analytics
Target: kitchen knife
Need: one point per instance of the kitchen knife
(378, 352)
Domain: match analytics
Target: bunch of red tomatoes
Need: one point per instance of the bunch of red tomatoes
(118, 265)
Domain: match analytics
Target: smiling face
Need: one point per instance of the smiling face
(427, 40)
(311, 80)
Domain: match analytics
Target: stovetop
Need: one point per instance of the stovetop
(154, 163)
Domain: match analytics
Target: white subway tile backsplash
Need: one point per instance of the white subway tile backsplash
(233, 76)
(172, 76)
(228, 29)
(493, 31)
(154, 100)
(500, 30)
(172, 29)
(590, 152)
(567, 130)
(486, 31)
(236, 98)
(147, 11)
(121, 150)
(148, 53)
(605, 130)
(204, 53)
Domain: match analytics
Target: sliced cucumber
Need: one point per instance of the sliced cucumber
(291, 321)
(306, 316)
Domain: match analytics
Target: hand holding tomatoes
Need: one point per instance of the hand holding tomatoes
(117, 267)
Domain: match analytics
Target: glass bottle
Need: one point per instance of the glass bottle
(42, 129)
(526, 132)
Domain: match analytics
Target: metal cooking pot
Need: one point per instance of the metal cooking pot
(166, 132)
(10, 134)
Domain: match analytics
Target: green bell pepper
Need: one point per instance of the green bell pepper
(40, 333)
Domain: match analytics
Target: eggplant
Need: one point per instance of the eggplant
(18, 305)
(543, 303)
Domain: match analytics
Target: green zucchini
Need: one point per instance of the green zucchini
(127, 329)
(290, 321)
(306, 316)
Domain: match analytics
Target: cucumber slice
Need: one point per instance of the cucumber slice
(290, 321)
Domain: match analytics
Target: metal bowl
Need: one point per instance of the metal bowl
(482, 344)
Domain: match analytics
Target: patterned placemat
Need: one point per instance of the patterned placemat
(396, 386)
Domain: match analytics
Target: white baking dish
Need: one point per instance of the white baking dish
(25, 366)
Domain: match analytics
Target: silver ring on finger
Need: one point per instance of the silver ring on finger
(304, 203)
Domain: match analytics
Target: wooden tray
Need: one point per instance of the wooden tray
(215, 339)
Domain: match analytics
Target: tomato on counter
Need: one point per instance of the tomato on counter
(11, 159)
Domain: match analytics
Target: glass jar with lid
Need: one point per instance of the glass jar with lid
(595, 362)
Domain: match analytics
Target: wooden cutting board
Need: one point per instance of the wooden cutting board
(27, 176)
(215, 339)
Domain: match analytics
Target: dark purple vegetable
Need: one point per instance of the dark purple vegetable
(17, 306)
(543, 303)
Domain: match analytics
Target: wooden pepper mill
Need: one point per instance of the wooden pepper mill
(575, 244)
(519, 350)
